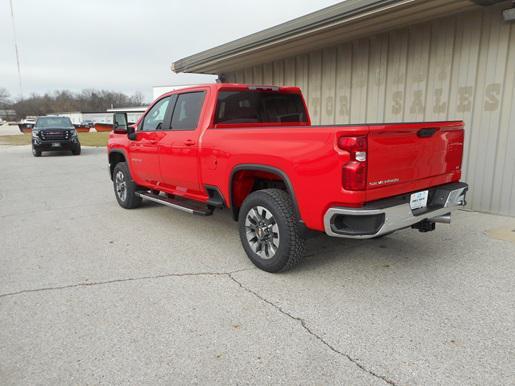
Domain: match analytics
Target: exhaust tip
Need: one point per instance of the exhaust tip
(443, 219)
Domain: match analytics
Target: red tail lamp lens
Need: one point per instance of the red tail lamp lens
(355, 171)
(353, 144)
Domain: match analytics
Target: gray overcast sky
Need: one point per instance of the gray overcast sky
(124, 45)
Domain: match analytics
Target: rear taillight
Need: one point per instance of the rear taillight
(355, 171)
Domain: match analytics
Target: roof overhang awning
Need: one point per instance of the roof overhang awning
(341, 22)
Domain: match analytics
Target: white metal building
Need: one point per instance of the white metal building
(396, 61)
(133, 114)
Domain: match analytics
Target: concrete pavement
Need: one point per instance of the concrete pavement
(92, 293)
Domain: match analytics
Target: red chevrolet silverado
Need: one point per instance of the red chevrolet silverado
(252, 149)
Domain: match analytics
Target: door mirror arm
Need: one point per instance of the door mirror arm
(131, 133)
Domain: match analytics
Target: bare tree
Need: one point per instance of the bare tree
(137, 98)
(65, 101)
(4, 97)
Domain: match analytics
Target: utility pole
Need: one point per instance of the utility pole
(16, 49)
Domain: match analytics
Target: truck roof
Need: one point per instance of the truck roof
(233, 86)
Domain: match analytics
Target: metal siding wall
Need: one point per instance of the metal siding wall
(258, 75)
(268, 73)
(503, 198)
(396, 75)
(359, 82)
(440, 66)
(315, 86)
(463, 80)
(328, 85)
(289, 71)
(279, 73)
(249, 75)
(458, 67)
(377, 78)
(418, 70)
(301, 74)
(343, 83)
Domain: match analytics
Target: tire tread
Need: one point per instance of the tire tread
(133, 201)
(282, 202)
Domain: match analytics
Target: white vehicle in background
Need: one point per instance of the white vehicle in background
(26, 125)
(30, 119)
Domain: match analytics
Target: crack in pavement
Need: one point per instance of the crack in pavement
(311, 332)
(231, 276)
(98, 283)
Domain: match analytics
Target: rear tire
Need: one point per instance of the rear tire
(269, 230)
(36, 152)
(124, 187)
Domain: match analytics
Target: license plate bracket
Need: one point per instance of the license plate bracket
(419, 200)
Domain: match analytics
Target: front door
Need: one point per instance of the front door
(143, 151)
(179, 148)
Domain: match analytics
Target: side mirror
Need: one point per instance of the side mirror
(120, 123)
(131, 133)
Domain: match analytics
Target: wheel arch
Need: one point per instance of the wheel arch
(282, 176)
(115, 157)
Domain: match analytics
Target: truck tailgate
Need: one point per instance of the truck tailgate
(408, 152)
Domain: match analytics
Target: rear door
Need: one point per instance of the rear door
(409, 152)
(178, 150)
(143, 151)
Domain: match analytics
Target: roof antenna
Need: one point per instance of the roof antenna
(16, 48)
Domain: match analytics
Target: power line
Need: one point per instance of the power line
(16, 48)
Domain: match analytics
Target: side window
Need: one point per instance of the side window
(155, 117)
(187, 111)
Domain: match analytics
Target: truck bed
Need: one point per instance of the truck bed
(402, 158)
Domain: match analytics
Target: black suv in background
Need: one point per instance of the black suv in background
(54, 133)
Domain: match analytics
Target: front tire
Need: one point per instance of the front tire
(124, 187)
(36, 152)
(76, 149)
(269, 232)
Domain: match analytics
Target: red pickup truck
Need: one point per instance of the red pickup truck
(252, 149)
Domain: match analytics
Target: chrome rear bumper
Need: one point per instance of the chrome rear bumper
(382, 219)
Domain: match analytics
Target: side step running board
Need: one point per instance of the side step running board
(187, 206)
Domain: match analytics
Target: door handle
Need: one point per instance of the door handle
(189, 142)
(152, 142)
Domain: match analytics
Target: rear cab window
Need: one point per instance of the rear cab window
(259, 106)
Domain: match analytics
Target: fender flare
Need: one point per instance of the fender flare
(117, 151)
(264, 168)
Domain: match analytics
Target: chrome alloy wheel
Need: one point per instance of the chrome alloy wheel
(121, 186)
(262, 232)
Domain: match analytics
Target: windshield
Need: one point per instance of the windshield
(259, 107)
(53, 122)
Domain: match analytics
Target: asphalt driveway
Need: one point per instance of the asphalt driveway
(91, 293)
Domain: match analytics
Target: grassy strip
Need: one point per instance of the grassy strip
(15, 139)
(94, 139)
(86, 139)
